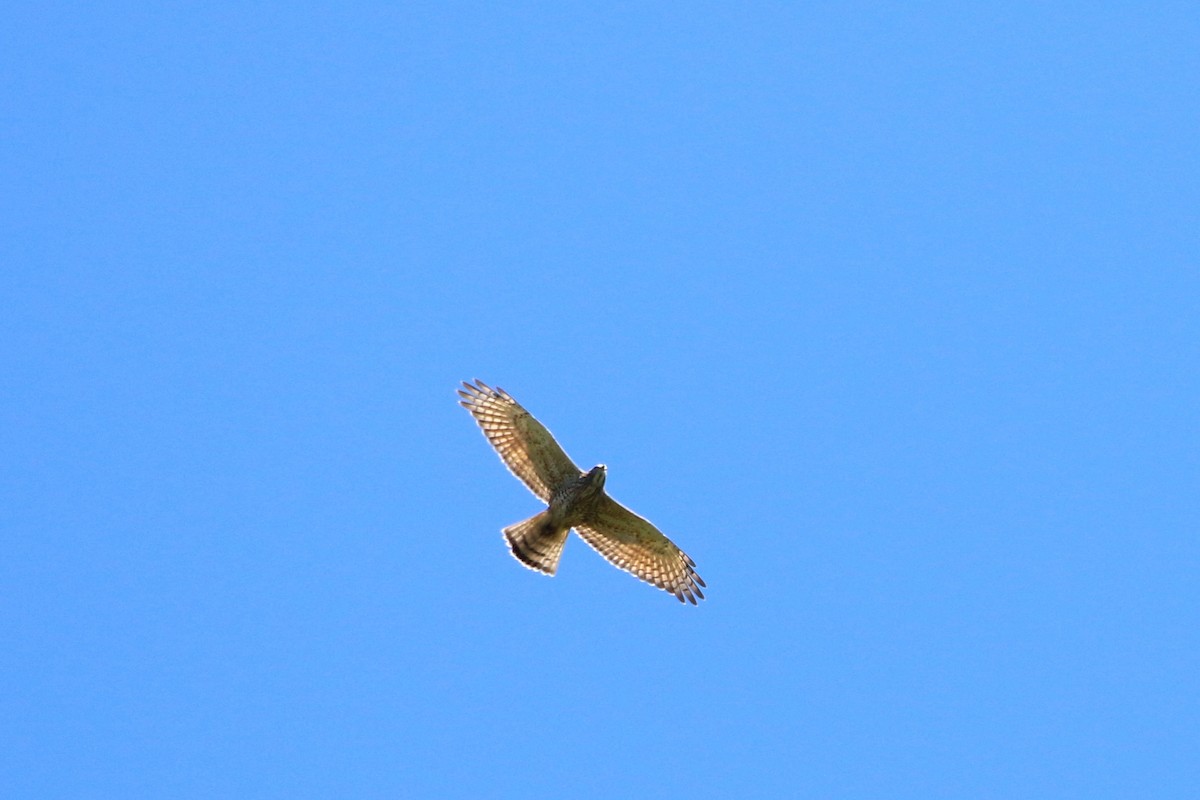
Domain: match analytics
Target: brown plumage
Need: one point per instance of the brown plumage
(575, 499)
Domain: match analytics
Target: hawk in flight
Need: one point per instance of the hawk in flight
(576, 500)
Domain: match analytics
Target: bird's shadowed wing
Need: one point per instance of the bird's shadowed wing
(524, 444)
(636, 546)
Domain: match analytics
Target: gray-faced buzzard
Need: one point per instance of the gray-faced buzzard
(576, 499)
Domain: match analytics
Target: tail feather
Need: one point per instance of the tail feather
(536, 543)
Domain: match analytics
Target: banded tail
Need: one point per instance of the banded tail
(536, 543)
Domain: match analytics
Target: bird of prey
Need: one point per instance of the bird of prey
(576, 499)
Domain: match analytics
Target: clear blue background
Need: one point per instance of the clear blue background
(890, 317)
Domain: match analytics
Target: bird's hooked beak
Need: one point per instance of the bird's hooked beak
(598, 473)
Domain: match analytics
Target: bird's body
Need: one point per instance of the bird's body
(575, 499)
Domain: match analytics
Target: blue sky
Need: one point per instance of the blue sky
(888, 316)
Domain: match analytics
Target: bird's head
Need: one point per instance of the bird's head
(597, 474)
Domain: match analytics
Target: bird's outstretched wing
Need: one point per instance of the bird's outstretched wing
(636, 546)
(524, 444)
